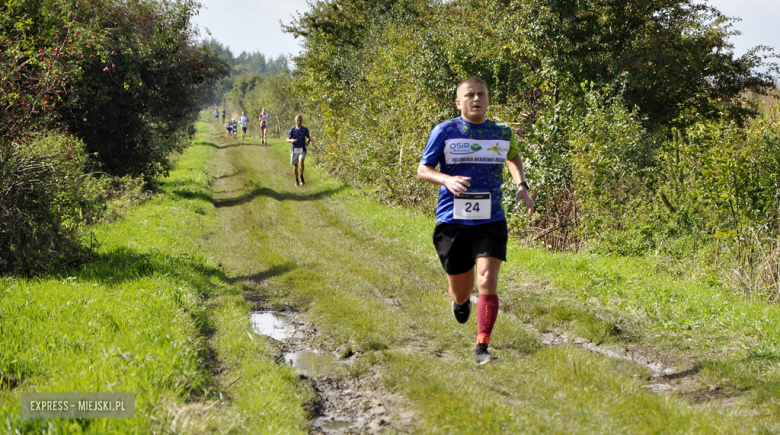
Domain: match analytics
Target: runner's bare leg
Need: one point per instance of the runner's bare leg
(487, 275)
(461, 286)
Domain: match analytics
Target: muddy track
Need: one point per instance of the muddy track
(347, 403)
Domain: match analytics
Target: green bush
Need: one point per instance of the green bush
(124, 78)
(614, 168)
(46, 198)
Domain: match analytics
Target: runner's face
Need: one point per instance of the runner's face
(298, 121)
(473, 102)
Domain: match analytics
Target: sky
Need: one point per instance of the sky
(759, 18)
(253, 25)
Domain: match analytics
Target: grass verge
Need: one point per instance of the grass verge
(153, 315)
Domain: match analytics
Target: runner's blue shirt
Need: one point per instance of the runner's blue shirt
(300, 135)
(478, 151)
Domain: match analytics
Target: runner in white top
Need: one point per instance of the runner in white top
(244, 121)
(263, 118)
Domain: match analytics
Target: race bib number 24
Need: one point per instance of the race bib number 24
(472, 206)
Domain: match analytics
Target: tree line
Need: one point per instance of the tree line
(96, 95)
(253, 64)
(254, 83)
(642, 131)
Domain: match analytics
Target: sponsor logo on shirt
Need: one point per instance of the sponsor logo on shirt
(463, 147)
(475, 151)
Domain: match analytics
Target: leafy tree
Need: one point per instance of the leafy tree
(43, 194)
(86, 84)
(672, 55)
(140, 93)
(41, 50)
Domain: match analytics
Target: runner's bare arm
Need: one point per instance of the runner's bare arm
(456, 184)
(518, 174)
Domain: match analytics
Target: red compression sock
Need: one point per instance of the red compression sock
(487, 311)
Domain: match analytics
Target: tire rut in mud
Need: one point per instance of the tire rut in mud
(671, 374)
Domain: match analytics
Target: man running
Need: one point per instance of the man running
(234, 128)
(216, 113)
(299, 137)
(470, 225)
(263, 118)
(224, 112)
(244, 121)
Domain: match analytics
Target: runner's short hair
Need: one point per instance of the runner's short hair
(470, 80)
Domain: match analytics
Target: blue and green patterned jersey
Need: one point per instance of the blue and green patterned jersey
(479, 151)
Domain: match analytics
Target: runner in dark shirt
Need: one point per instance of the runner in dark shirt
(299, 138)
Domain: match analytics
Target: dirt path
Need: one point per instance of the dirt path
(255, 196)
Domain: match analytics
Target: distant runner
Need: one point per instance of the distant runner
(470, 225)
(263, 118)
(216, 113)
(229, 128)
(223, 115)
(234, 128)
(244, 120)
(299, 137)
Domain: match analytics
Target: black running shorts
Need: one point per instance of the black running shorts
(459, 246)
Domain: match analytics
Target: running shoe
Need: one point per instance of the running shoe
(482, 356)
(302, 180)
(462, 311)
(297, 183)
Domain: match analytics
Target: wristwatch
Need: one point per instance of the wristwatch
(524, 184)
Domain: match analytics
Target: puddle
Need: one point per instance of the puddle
(271, 324)
(313, 365)
(344, 404)
(337, 424)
